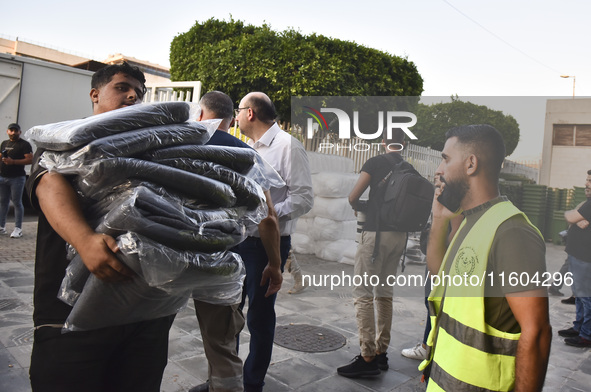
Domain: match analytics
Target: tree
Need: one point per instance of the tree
(236, 58)
(434, 120)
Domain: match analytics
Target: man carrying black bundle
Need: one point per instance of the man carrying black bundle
(129, 357)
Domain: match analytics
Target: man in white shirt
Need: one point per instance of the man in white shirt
(256, 118)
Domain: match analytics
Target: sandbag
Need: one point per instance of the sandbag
(331, 250)
(302, 243)
(337, 209)
(333, 184)
(320, 163)
(325, 229)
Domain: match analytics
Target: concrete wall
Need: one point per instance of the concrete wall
(565, 166)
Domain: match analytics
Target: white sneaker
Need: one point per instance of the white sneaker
(417, 352)
(17, 233)
(3, 231)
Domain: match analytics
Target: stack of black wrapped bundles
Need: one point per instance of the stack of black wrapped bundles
(175, 206)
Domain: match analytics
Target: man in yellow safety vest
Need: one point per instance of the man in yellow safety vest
(489, 305)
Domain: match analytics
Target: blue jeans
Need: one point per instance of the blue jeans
(11, 188)
(260, 316)
(581, 271)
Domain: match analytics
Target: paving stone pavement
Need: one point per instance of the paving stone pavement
(569, 369)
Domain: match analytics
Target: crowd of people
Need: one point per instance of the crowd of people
(499, 334)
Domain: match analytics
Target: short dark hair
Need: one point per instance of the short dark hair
(485, 142)
(589, 172)
(263, 108)
(397, 137)
(220, 104)
(105, 74)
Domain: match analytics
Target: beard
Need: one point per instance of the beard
(454, 193)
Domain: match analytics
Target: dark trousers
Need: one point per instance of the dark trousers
(260, 316)
(123, 358)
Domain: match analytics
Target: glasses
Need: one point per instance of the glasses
(236, 111)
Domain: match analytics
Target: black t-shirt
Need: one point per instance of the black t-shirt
(16, 150)
(378, 168)
(578, 240)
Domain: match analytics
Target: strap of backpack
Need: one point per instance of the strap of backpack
(403, 263)
(394, 162)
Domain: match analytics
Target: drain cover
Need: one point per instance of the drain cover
(308, 338)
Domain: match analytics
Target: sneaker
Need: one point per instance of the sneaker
(577, 341)
(417, 352)
(569, 301)
(382, 361)
(298, 285)
(16, 233)
(201, 387)
(568, 333)
(359, 368)
(3, 230)
(554, 291)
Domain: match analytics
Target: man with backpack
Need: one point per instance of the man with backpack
(382, 243)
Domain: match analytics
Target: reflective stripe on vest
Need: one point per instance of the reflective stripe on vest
(468, 354)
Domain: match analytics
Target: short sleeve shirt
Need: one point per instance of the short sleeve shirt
(578, 241)
(15, 150)
(517, 248)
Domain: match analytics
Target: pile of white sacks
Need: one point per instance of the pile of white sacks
(328, 231)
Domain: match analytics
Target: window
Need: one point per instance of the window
(583, 135)
(563, 135)
(571, 135)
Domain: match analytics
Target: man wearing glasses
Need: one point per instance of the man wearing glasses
(256, 117)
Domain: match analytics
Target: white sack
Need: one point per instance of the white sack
(301, 243)
(329, 163)
(333, 184)
(337, 209)
(330, 230)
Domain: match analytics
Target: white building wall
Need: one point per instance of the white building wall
(565, 166)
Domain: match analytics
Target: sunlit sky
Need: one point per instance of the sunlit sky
(463, 47)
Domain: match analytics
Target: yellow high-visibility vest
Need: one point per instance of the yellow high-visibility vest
(468, 354)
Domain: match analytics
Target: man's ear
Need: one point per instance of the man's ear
(471, 165)
(94, 95)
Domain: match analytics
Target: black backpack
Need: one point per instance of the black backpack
(407, 199)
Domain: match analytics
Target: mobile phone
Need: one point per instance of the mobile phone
(448, 201)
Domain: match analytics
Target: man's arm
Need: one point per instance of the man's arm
(269, 232)
(580, 216)
(530, 309)
(573, 217)
(62, 210)
(27, 160)
(439, 235)
(296, 173)
(360, 187)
